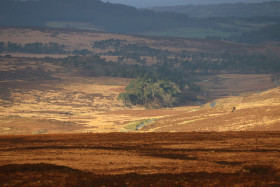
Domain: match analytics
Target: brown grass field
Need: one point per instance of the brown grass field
(141, 159)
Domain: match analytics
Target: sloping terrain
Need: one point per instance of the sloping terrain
(253, 112)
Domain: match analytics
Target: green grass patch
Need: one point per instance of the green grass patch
(137, 125)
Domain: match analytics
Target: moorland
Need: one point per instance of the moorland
(63, 124)
(82, 105)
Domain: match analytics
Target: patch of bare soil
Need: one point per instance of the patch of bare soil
(145, 159)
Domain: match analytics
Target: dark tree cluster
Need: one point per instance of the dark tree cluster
(153, 92)
(231, 63)
(35, 48)
(97, 66)
(134, 50)
(150, 93)
(125, 49)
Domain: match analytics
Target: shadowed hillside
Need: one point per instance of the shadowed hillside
(89, 14)
(100, 16)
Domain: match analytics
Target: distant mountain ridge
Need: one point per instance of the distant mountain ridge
(226, 9)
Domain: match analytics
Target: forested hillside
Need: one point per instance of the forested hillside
(215, 21)
(104, 16)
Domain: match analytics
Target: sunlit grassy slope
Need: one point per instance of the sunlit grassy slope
(258, 111)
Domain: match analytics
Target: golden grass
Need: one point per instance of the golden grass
(251, 112)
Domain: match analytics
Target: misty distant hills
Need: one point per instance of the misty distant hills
(226, 10)
(104, 16)
(213, 21)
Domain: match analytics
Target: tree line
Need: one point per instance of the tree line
(35, 48)
(123, 48)
(231, 63)
(39, 48)
(184, 61)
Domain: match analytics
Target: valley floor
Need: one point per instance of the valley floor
(64, 104)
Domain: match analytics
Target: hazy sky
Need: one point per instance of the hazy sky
(151, 3)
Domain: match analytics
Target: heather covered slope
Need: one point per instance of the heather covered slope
(145, 159)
